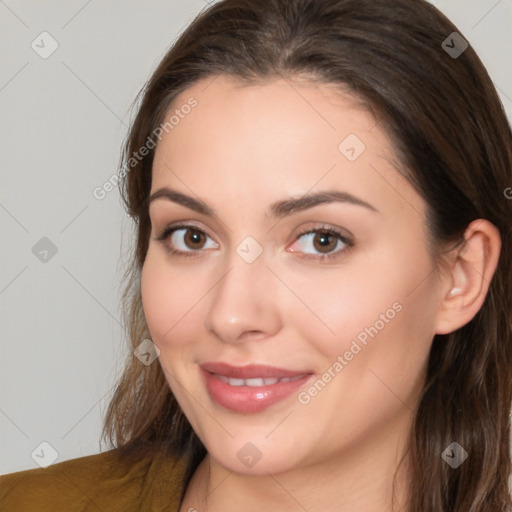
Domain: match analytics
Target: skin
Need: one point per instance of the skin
(240, 150)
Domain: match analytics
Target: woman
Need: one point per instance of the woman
(319, 303)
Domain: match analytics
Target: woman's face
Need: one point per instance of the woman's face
(351, 313)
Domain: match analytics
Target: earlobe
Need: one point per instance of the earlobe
(470, 275)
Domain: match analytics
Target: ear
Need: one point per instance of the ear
(470, 270)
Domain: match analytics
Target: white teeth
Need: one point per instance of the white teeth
(234, 382)
(255, 382)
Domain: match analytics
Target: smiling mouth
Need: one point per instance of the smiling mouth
(251, 389)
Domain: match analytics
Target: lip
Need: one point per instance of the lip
(250, 399)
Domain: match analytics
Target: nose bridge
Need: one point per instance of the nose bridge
(240, 300)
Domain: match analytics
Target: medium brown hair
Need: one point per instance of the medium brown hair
(450, 135)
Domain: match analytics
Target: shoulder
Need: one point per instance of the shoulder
(106, 481)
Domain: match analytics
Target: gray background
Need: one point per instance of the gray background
(63, 122)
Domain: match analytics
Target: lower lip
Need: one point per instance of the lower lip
(249, 399)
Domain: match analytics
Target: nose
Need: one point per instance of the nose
(244, 304)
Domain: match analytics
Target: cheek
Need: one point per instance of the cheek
(381, 301)
(155, 298)
(336, 305)
(170, 299)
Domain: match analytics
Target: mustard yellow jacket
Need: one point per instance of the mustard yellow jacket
(96, 483)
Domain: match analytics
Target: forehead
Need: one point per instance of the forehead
(277, 138)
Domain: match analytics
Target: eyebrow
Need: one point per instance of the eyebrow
(277, 210)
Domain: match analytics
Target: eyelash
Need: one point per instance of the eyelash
(349, 244)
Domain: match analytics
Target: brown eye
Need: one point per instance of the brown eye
(186, 240)
(194, 239)
(324, 241)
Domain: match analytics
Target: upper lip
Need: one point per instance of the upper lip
(250, 371)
